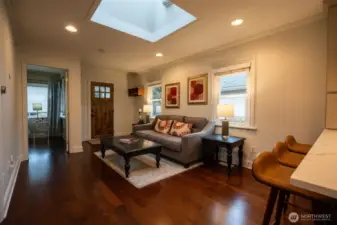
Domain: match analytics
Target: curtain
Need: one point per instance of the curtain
(54, 104)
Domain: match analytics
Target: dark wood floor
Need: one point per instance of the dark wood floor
(54, 188)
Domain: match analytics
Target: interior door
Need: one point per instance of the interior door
(102, 109)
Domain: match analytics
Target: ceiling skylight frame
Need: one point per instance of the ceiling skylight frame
(158, 21)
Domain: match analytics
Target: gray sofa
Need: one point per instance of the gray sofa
(184, 150)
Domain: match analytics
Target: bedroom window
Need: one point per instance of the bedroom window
(154, 96)
(235, 85)
(37, 95)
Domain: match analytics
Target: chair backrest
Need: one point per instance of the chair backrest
(263, 161)
(290, 140)
(280, 148)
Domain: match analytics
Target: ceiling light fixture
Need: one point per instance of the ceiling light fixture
(71, 28)
(237, 22)
(159, 54)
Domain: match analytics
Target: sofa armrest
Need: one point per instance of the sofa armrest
(193, 142)
(147, 126)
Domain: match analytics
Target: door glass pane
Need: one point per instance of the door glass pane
(102, 89)
(102, 95)
(96, 95)
(96, 88)
(107, 89)
(107, 95)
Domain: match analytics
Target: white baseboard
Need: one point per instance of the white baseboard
(246, 163)
(10, 187)
(76, 149)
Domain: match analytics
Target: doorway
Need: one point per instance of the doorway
(47, 110)
(102, 109)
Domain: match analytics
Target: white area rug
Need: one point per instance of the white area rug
(94, 141)
(143, 171)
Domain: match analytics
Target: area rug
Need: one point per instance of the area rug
(143, 171)
(95, 141)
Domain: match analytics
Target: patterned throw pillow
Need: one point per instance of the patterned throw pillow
(163, 126)
(180, 129)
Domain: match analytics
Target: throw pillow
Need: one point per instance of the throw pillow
(163, 126)
(180, 129)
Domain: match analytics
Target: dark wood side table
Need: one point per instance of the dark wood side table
(211, 145)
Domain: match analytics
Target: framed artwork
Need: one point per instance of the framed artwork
(172, 95)
(197, 90)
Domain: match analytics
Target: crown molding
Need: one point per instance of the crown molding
(279, 29)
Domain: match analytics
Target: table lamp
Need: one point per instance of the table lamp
(226, 111)
(37, 107)
(147, 109)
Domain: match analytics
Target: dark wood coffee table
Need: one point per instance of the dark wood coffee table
(140, 147)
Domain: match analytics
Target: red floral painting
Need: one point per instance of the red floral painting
(197, 89)
(172, 95)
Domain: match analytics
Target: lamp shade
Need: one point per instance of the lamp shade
(147, 108)
(37, 106)
(225, 110)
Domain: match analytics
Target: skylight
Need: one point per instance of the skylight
(147, 19)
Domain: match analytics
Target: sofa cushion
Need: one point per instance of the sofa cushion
(177, 118)
(171, 142)
(163, 126)
(180, 129)
(198, 122)
(143, 133)
(167, 117)
(161, 117)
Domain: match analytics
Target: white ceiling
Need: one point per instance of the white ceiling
(41, 23)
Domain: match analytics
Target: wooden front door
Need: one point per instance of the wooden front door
(102, 109)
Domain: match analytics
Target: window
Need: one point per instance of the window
(154, 93)
(37, 96)
(235, 85)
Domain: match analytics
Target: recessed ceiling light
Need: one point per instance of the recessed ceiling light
(237, 22)
(159, 54)
(71, 28)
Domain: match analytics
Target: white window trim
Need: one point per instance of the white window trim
(149, 99)
(251, 86)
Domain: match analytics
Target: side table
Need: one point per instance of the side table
(211, 145)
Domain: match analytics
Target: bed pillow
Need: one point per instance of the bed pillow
(163, 126)
(180, 129)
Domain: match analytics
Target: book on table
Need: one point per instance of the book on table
(128, 140)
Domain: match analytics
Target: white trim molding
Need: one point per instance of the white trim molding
(76, 149)
(245, 163)
(10, 188)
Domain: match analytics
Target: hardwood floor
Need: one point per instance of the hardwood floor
(54, 188)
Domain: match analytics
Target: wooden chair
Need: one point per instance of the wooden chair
(294, 146)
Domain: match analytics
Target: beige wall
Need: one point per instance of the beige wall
(9, 149)
(123, 105)
(290, 84)
(61, 61)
